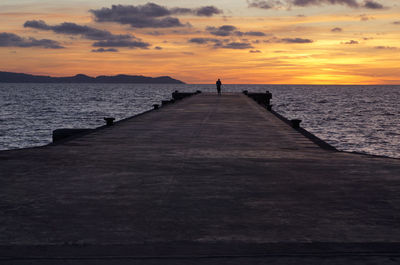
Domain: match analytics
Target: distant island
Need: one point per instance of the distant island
(9, 77)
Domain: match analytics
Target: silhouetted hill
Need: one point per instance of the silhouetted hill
(8, 77)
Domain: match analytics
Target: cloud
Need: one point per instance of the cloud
(105, 50)
(296, 40)
(263, 4)
(350, 42)
(255, 33)
(351, 3)
(13, 40)
(155, 33)
(225, 44)
(396, 22)
(337, 30)
(385, 48)
(158, 48)
(268, 4)
(237, 45)
(254, 51)
(104, 38)
(372, 5)
(207, 11)
(204, 40)
(364, 17)
(229, 30)
(149, 15)
(122, 43)
(75, 29)
(223, 31)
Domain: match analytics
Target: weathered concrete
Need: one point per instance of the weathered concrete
(215, 179)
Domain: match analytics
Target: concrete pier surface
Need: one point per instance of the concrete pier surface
(207, 180)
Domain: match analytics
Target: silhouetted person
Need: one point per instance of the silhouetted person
(218, 83)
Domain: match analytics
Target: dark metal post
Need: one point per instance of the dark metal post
(109, 120)
(268, 97)
(295, 123)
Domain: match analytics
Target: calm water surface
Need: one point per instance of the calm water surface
(351, 118)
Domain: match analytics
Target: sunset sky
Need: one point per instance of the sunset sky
(239, 41)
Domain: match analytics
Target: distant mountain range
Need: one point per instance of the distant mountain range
(8, 77)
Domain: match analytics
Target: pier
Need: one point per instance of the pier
(205, 179)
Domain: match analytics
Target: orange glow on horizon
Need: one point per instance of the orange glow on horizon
(362, 52)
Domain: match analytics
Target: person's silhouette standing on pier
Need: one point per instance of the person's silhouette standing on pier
(218, 83)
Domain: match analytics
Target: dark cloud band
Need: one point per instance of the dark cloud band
(224, 44)
(229, 30)
(149, 15)
(13, 40)
(296, 40)
(104, 38)
(100, 50)
(75, 29)
(122, 43)
(268, 4)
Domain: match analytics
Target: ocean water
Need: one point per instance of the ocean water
(363, 119)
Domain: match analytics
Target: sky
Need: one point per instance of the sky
(239, 41)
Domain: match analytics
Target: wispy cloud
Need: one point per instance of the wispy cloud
(122, 43)
(350, 42)
(296, 40)
(105, 50)
(385, 48)
(237, 45)
(223, 31)
(230, 30)
(269, 4)
(364, 17)
(351, 3)
(337, 29)
(13, 40)
(204, 40)
(224, 44)
(263, 4)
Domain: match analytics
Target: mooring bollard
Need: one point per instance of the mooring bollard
(245, 92)
(156, 106)
(175, 95)
(295, 123)
(109, 120)
(268, 97)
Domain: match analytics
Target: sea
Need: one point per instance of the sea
(362, 118)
